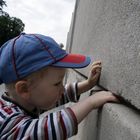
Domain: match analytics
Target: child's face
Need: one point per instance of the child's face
(49, 89)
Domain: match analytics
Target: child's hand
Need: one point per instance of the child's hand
(100, 98)
(94, 73)
(83, 107)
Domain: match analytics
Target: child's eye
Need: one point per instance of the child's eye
(57, 84)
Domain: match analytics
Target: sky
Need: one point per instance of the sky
(47, 17)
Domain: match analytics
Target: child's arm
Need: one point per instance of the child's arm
(92, 78)
(82, 108)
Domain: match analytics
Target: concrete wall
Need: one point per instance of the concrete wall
(109, 30)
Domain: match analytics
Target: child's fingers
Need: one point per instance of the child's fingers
(96, 63)
(114, 97)
(96, 68)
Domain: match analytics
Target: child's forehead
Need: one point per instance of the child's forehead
(53, 74)
(55, 71)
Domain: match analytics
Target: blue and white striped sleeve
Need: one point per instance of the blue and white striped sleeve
(70, 94)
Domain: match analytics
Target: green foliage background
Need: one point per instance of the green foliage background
(10, 27)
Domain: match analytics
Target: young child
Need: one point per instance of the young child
(32, 67)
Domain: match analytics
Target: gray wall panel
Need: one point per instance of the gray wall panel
(109, 30)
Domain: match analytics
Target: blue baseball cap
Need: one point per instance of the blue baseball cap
(27, 53)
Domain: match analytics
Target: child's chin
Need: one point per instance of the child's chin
(52, 106)
(48, 107)
(44, 108)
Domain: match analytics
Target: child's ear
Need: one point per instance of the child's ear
(21, 88)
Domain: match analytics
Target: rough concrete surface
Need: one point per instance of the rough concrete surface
(109, 30)
(112, 122)
(118, 122)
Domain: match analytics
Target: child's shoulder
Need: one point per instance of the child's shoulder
(8, 109)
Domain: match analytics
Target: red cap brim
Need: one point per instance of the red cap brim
(73, 61)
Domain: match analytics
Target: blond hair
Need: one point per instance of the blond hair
(32, 80)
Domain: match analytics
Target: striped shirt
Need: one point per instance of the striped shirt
(17, 123)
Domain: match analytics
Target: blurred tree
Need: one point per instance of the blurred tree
(9, 26)
(2, 3)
